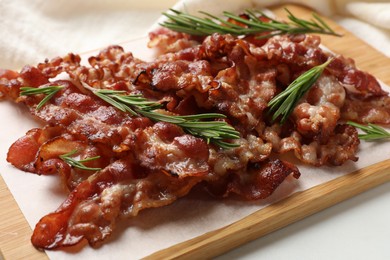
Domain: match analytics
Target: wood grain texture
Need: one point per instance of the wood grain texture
(15, 232)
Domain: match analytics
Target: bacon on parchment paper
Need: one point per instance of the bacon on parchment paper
(145, 164)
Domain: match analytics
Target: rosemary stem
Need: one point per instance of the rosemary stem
(209, 24)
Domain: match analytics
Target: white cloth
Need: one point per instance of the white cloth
(31, 31)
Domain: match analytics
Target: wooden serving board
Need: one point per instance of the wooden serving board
(15, 231)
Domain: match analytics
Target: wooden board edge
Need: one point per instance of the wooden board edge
(15, 229)
(289, 210)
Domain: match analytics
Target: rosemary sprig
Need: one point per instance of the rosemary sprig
(49, 91)
(118, 99)
(209, 24)
(283, 104)
(78, 163)
(372, 131)
(212, 131)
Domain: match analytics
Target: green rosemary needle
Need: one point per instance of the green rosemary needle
(49, 91)
(123, 102)
(209, 24)
(372, 131)
(78, 163)
(284, 103)
(212, 131)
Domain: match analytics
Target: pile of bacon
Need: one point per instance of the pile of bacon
(145, 164)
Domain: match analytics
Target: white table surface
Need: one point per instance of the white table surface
(358, 228)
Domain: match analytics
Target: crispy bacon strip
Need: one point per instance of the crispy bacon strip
(22, 154)
(90, 211)
(257, 182)
(165, 147)
(371, 110)
(169, 41)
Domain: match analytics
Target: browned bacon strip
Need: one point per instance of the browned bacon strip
(166, 147)
(22, 154)
(121, 189)
(370, 110)
(169, 41)
(258, 182)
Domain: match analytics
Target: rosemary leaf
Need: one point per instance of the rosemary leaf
(208, 130)
(49, 91)
(209, 24)
(372, 132)
(111, 101)
(78, 163)
(225, 145)
(159, 117)
(284, 103)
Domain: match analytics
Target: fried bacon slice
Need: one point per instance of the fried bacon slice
(187, 155)
(147, 164)
(91, 209)
(257, 182)
(22, 153)
(169, 41)
(370, 110)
